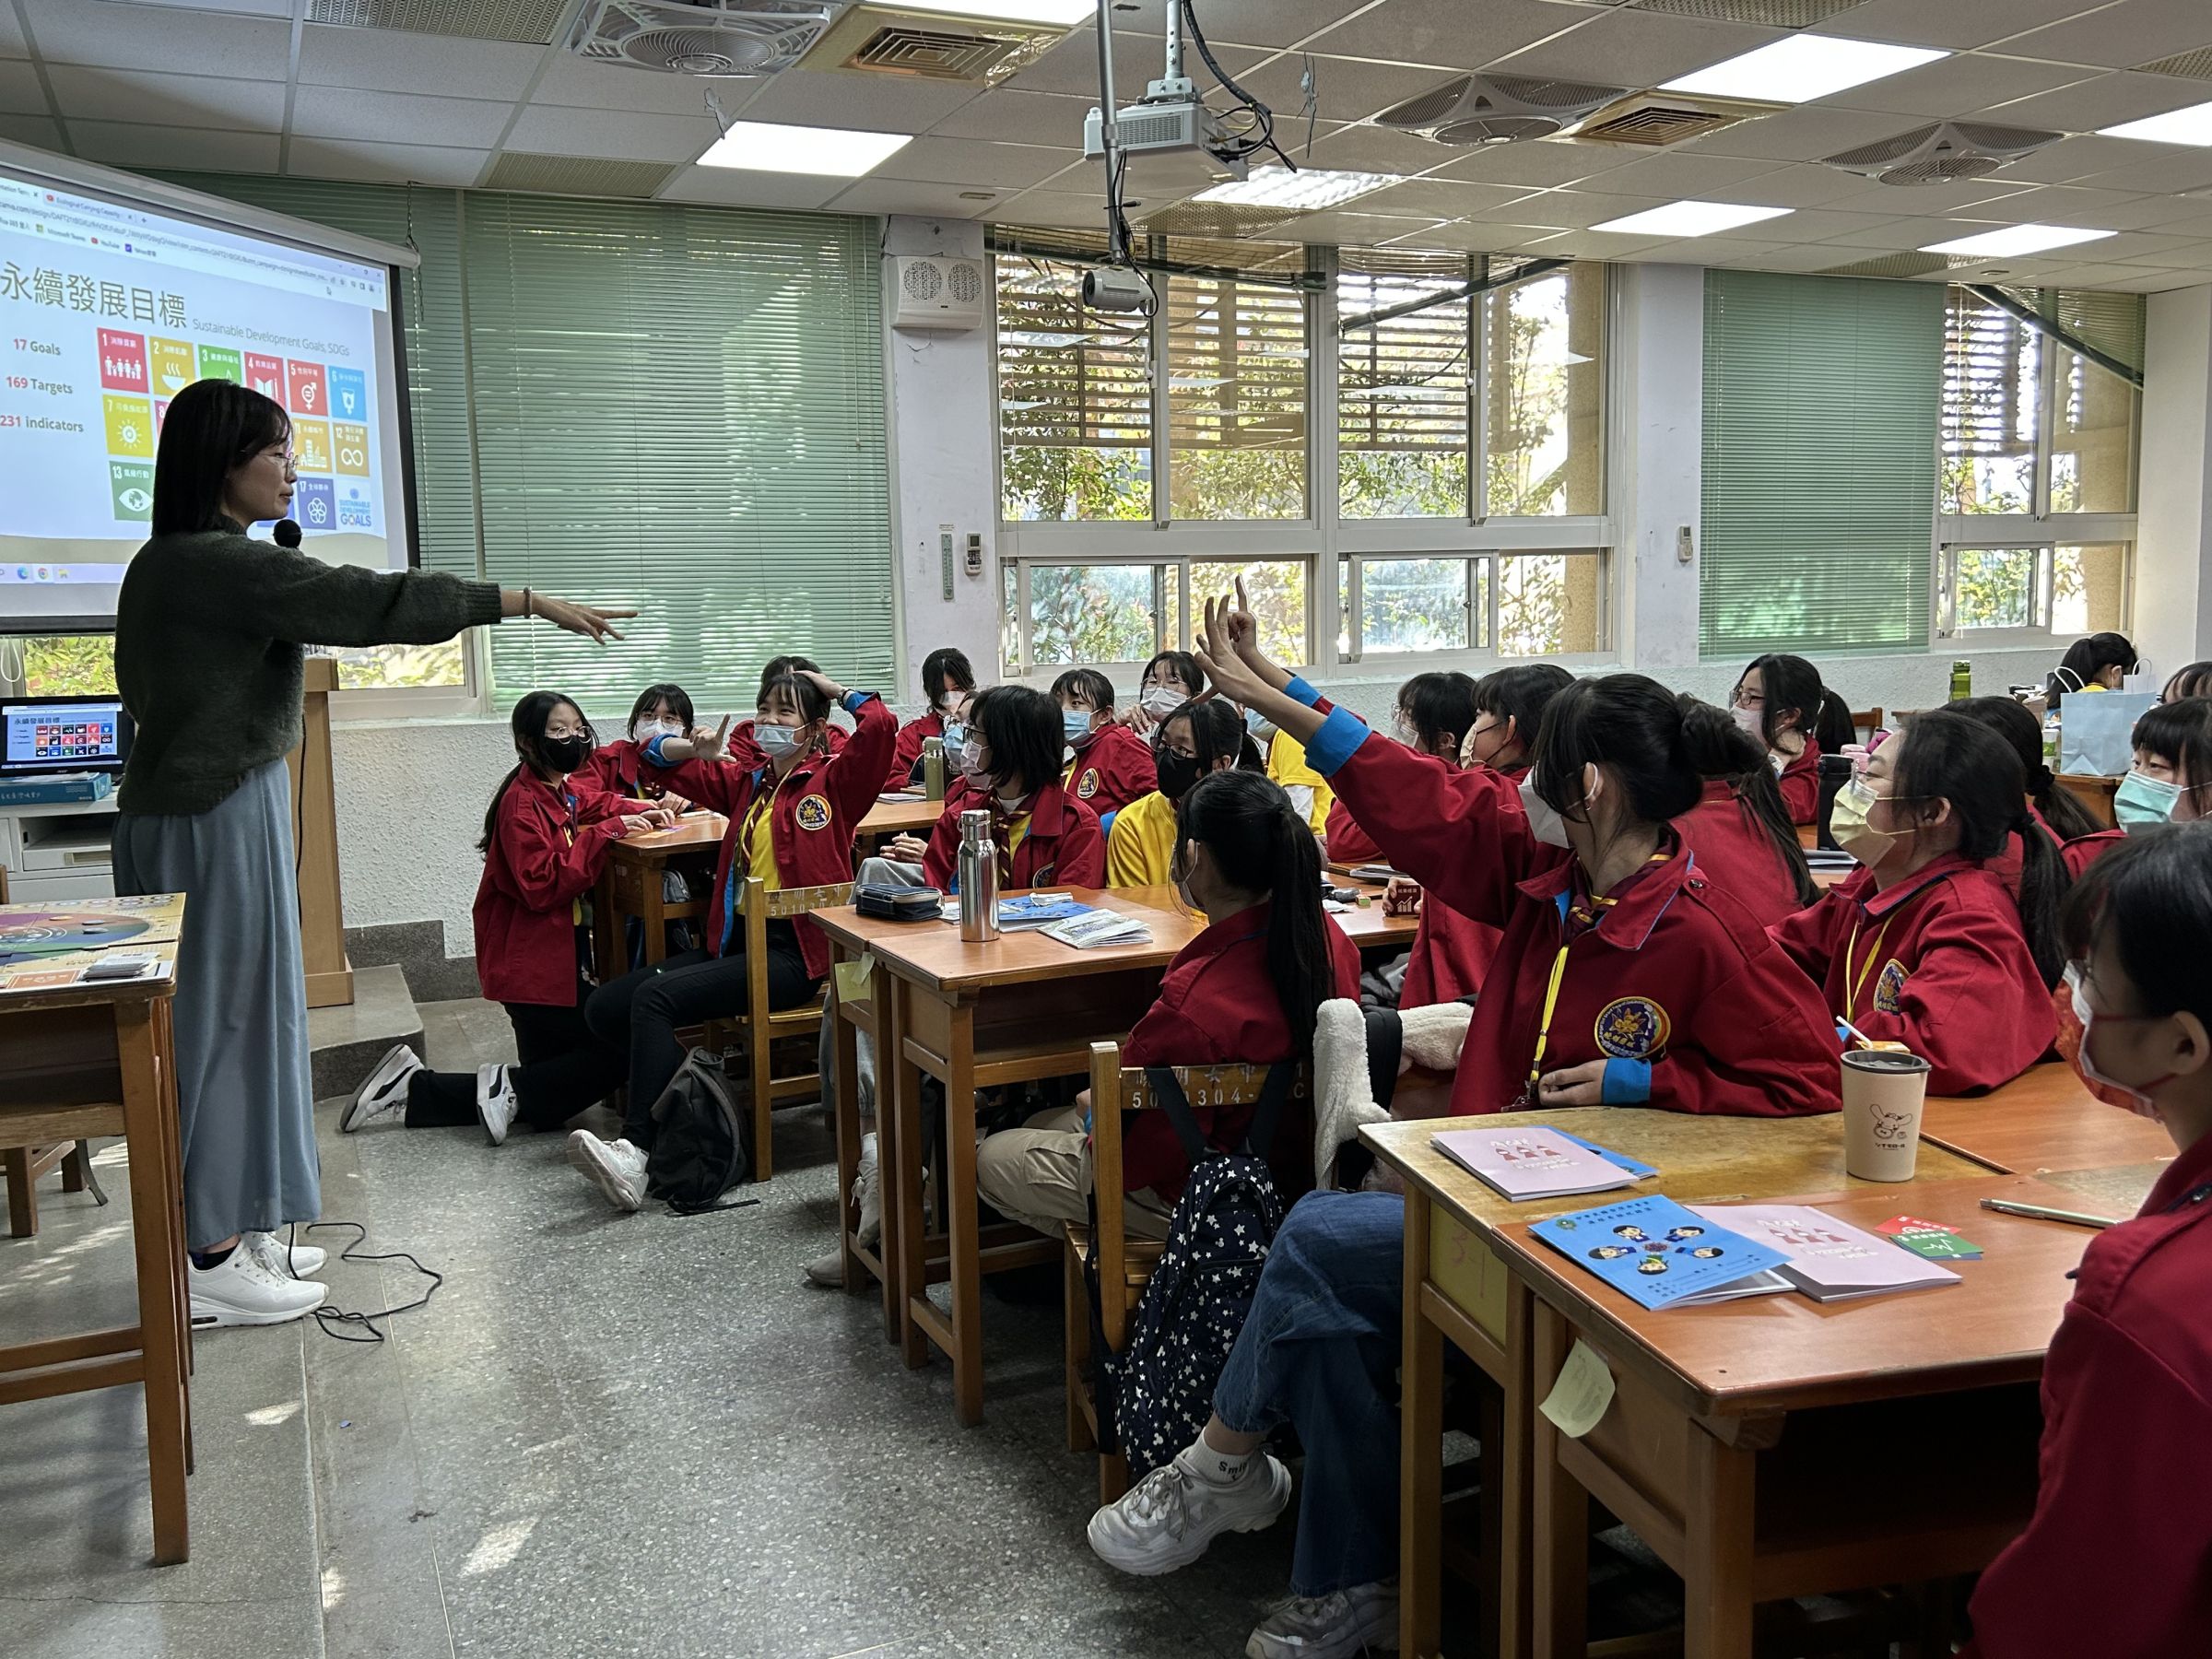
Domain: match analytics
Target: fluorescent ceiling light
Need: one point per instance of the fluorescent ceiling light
(830, 152)
(1803, 67)
(2191, 126)
(1064, 12)
(2015, 239)
(1689, 218)
(1300, 192)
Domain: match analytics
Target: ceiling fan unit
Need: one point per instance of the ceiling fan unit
(1942, 154)
(711, 40)
(933, 45)
(1473, 109)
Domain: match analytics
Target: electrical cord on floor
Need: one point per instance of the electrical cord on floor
(341, 1322)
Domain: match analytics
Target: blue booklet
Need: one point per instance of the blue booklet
(1655, 1252)
(1620, 1159)
(1038, 909)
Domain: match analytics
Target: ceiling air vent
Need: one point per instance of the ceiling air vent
(1942, 154)
(712, 40)
(1892, 264)
(576, 175)
(1497, 108)
(533, 21)
(1773, 14)
(2189, 66)
(1655, 119)
(883, 39)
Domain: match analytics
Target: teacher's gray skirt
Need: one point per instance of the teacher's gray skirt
(244, 1092)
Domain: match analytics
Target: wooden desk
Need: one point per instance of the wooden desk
(2042, 1120)
(1457, 1289)
(2092, 791)
(631, 885)
(1776, 1447)
(81, 1059)
(908, 815)
(1016, 1010)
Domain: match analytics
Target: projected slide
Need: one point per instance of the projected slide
(109, 310)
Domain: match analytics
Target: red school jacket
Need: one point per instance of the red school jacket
(1451, 953)
(1737, 855)
(814, 814)
(1112, 769)
(2117, 1561)
(1063, 846)
(1218, 1005)
(1800, 783)
(906, 754)
(2077, 855)
(1937, 962)
(1346, 842)
(547, 848)
(1674, 987)
(621, 768)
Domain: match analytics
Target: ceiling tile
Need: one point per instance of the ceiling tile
(34, 130)
(2197, 222)
(1451, 34)
(1348, 227)
(1544, 163)
(1901, 234)
(1680, 173)
(1894, 201)
(152, 37)
(344, 112)
(1057, 209)
(1273, 22)
(2135, 32)
(1579, 210)
(875, 103)
(1803, 185)
(2101, 101)
(1954, 24)
(973, 163)
(1805, 133)
(195, 100)
(2161, 169)
(622, 135)
(733, 187)
(1443, 199)
(384, 59)
(1787, 259)
(2193, 253)
(2092, 275)
(1071, 66)
(1006, 115)
(1367, 149)
(122, 144)
(1808, 225)
(1637, 49)
(12, 45)
(20, 93)
(572, 82)
(2140, 247)
(1693, 250)
(384, 163)
(2090, 210)
(1343, 88)
(902, 195)
(1595, 245)
(1955, 86)
(2158, 282)
(2079, 157)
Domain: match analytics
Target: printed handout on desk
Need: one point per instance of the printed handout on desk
(1533, 1162)
(1827, 1259)
(1028, 911)
(1660, 1254)
(1096, 929)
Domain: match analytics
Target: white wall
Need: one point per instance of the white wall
(2173, 587)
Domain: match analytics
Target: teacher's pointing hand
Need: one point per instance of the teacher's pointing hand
(594, 622)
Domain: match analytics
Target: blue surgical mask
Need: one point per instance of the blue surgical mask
(1258, 724)
(1075, 726)
(956, 734)
(2142, 801)
(776, 742)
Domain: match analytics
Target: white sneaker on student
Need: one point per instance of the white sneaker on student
(616, 1168)
(385, 1090)
(1340, 1625)
(828, 1270)
(286, 1261)
(1167, 1519)
(495, 1100)
(241, 1289)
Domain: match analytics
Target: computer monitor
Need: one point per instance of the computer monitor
(62, 734)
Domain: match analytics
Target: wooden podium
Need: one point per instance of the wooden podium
(315, 822)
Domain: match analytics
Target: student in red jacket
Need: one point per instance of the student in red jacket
(1740, 830)
(1622, 976)
(2117, 1561)
(1434, 714)
(545, 842)
(2172, 779)
(2081, 838)
(1781, 701)
(1926, 946)
(948, 682)
(1112, 766)
(792, 819)
(1010, 766)
(1242, 992)
(1171, 679)
(620, 766)
(738, 748)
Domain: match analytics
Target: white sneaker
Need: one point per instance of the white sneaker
(1167, 1519)
(385, 1090)
(495, 1100)
(241, 1289)
(286, 1261)
(828, 1269)
(1340, 1625)
(616, 1168)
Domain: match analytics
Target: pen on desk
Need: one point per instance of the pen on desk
(2037, 1212)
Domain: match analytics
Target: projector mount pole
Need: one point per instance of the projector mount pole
(1117, 242)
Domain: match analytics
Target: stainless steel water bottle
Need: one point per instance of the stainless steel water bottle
(978, 878)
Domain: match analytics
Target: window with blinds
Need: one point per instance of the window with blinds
(1075, 397)
(1405, 383)
(1236, 356)
(1991, 373)
(1819, 463)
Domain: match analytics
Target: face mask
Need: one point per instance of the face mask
(1177, 774)
(1753, 722)
(971, 764)
(956, 736)
(567, 754)
(776, 742)
(1179, 874)
(645, 731)
(1544, 820)
(1258, 725)
(1074, 727)
(2076, 1021)
(1847, 822)
(1160, 701)
(2142, 801)
(950, 702)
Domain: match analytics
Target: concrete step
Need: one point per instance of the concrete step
(347, 1040)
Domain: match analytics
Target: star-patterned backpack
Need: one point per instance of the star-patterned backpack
(1158, 1391)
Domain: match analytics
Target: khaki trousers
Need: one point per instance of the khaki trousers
(1040, 1174)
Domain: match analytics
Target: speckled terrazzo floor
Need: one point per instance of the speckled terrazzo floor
(606, 1435)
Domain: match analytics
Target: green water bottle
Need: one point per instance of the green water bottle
(1962, 678)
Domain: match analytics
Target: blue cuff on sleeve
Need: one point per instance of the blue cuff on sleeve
(1301, 691)
(855, 699)
(652, 751)
(1627, 1082)
(1340, 734)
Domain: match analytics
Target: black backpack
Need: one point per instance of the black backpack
(1156, 1394)
(703, 1145)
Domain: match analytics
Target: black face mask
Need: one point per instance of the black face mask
(1177, 774)
(566, 754)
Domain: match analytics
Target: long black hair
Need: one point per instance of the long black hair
(1182, 665)
(1628, 724)
(2152, 895)
(1440, 706)
(1951, 757)
(2085, 660)
(2193, 679)
(213, 427)
(1521, 695)
(1022, 728)
(528, 725)
(674, 696)
(1789, 683)
(2010, 720)
(1260, 845)
(1216, 733)
(2181, 735)
(944, 670)
(1719, 748)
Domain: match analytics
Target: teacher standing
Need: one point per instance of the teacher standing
(210, 631)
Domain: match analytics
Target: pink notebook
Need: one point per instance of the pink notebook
(1533, 1162)
(1828, 1260)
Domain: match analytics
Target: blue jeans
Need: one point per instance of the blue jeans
(1320, 1351)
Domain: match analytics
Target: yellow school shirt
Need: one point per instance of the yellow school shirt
(1141, 847)
(759, 843)
(1286, 765)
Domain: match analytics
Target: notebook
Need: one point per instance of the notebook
(1827, 1259)
(1659, 1254)
(1031, 910)
(1533, 1162)
(1096, 927)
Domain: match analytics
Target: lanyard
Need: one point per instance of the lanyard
(762, 802)
(1874, 954)
(1551, 1001)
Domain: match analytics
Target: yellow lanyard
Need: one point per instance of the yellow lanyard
(1551, 1001)
(753, 816)
(1874, 954)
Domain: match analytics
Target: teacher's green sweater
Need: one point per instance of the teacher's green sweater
(211, 633)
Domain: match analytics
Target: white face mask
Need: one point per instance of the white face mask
(1161, 702)
(971, 764)
(776, 742)
(1752, 721)
(1544, 822)
(646, 730)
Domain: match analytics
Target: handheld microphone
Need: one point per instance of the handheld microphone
(287, 532)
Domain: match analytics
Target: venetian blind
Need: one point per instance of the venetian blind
(1403, 382)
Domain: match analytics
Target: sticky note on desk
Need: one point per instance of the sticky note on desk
(855, 980)
(1581, 1395)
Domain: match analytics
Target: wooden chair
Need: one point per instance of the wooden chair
(1866, 722)
(758, 1030)
(24, 1166)
(1125, 1265)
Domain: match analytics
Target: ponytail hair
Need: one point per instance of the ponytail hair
(1719, 748)
(2010, 720)
(1259, 844)
(2085, 660)
(1949, 756)
(1628, 724)
(529, 724)
(1832, 727)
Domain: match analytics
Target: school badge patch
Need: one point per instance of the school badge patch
(1088, 785)
(813, 812)
(1633, 1028)
(1889, 988)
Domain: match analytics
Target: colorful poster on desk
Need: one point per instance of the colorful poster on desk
(49, 946)
(1655, 1252)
